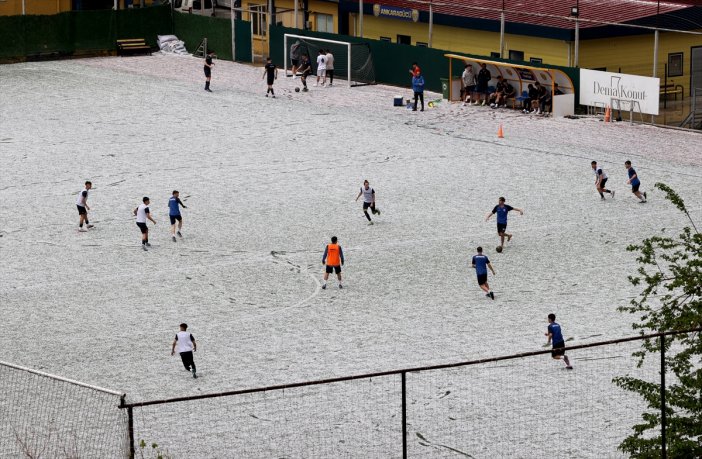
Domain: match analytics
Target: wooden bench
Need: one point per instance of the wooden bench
(132, 46)
(671, 89)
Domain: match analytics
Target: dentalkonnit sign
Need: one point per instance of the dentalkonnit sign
(599, 88)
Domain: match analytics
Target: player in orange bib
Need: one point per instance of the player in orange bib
(333, 258)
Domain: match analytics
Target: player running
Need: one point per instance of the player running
(502, 209)
(600, 180)
(481, 263)
(185, 343)
(271, 72)
(333, 258)
(142, 213)
(174, 204)
(634, 182)
(304, 69)
(556, 337)
(82, 205)
(368, 200)
(208, 69)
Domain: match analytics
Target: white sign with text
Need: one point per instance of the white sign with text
(599, 88)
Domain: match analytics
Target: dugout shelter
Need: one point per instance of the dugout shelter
(519, 76)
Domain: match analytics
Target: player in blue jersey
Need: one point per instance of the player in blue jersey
(174, 204)
(634, 182)
(555, 337)
(502, 209)
(481, 263)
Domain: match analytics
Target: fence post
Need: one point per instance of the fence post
(664, 454)
(130, 417)
(404, 416)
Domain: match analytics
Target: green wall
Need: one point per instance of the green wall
(392, 61)
(192, 28)
(77, 32)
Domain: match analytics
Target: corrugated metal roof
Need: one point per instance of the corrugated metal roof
(551, 14)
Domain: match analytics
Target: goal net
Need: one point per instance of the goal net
(42, 415)
(352, 61)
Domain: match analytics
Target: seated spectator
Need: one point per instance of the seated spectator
(499, 90)
(532, 94)
(541, 92)
(507, 93)
(548, 101)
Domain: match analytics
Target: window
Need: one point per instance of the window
(388, 39)
(325, 23)
(536, 60)
(495, 54)
(516, 55)
(675, 64)
(421, 44)
(404, 39)
(258, 19)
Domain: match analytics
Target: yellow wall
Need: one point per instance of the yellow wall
(634, 55)
(14, 7)
(466, 40)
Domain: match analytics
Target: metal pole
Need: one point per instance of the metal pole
(502, 34)
(404, 416)
(360, 18)
(202, 7)
(664, 453)
(297, 22)
(655, 64)
(130, 427)
(577, 42)
(116, 7)
(233, 19)
(431, 23)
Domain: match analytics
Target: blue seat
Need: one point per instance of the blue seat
(523, 97)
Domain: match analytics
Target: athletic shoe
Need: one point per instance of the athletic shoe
(370, 223)
(174, 239)
(493, 105)
(266, 94)
(82, 230)
(316, 85)
(294, 77)
(483, 103)
(179, 235)
(487, 295)
(642, 202)
(324, 287)
(194, 374)
(305, 89)
(602, 198)
(492, 295)
(91, 226)
(509, 237)
(341, 286)
(330, 85)
(378, 211)
(148, 244)
(208, 90)
(612, 194)
(274, 96)
(144, 247)
(569, 367)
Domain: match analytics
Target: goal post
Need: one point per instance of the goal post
(354, 61)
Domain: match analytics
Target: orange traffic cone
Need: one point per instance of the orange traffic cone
(500, 134)
(608, 114)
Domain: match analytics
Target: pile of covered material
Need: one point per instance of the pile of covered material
(170, 44)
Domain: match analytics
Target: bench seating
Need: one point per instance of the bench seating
(132, 46)
(671, 89)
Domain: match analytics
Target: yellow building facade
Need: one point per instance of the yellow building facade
(44, 7)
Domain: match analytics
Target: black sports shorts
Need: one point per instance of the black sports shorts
(368, 204)
(603, 182)
(295, 62)
(501, 227)
(81, 210)
(635, 188)
(142, 226)
(482, 279)
(335, 269)
(558, 349)
(208, 71)
(175, 218)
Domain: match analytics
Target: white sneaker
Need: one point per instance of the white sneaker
(483, 103)
(316, 84)
(82, 230)
(294, 77)
(493, 105)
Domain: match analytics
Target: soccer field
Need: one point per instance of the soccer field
(267, 182)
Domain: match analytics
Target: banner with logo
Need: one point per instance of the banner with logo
(599, 88)
(394, 12)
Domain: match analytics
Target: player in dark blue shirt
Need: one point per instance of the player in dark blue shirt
(555, 337)
(502, 209)
(174, 213)
(270, 71)
(208, 69)
(481, 263)
(634, 182)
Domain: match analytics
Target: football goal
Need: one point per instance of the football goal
(352, 61)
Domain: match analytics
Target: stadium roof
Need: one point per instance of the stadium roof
(551, 14)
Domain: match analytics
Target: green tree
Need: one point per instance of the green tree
(670, 274)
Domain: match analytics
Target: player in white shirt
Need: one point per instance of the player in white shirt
(330, 67)
(321, 67)
(142, 213)
(82, 205)
(368, 194)
(185, 344)
(600, 180)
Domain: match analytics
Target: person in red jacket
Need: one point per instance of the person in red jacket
(333, 258)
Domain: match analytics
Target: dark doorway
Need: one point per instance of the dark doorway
(404, 39)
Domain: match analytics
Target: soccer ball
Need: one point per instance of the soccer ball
(499, 249)
(297, 89)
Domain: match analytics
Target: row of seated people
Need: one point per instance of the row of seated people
(474, 88)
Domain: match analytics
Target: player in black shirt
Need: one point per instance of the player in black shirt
(208, 69)
(304, 69)
(271, 72)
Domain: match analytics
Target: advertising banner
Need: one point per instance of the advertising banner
(599, 88)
